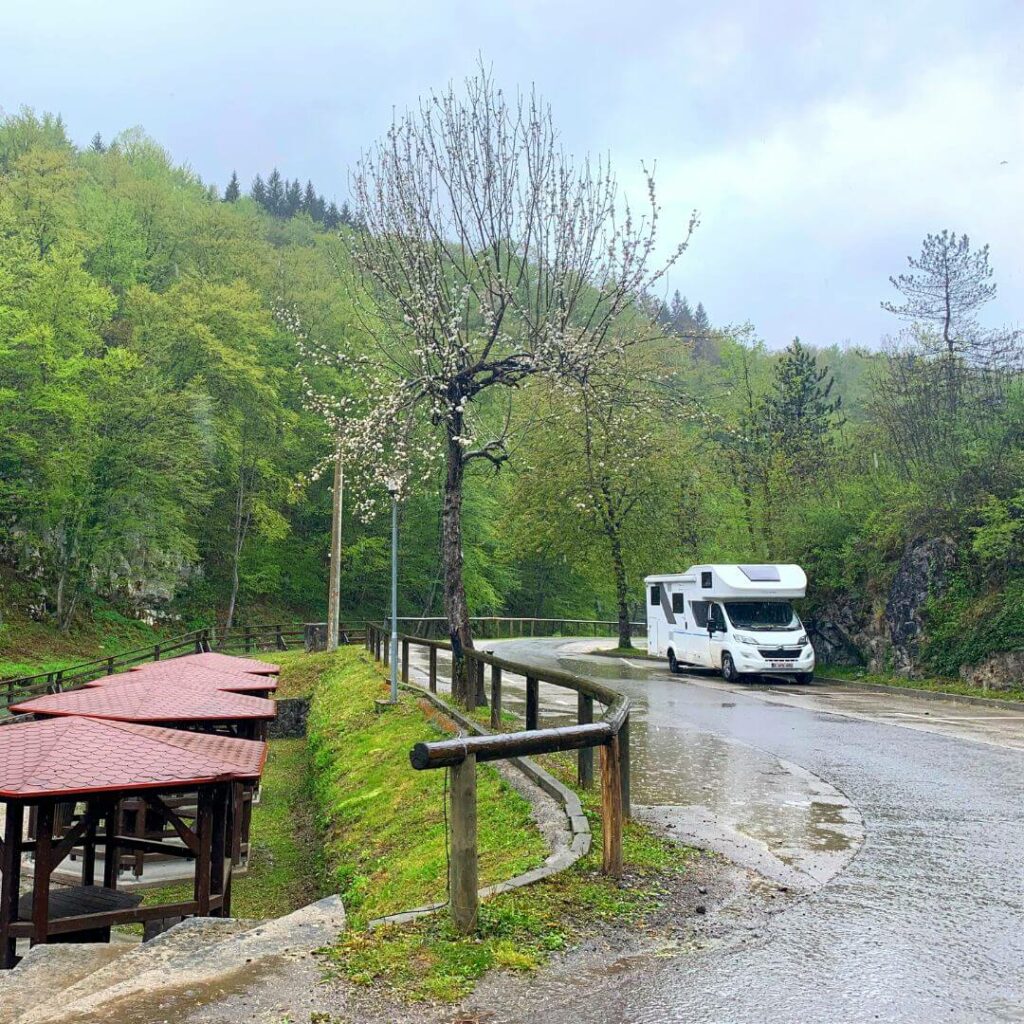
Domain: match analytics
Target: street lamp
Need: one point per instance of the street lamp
(394, 485)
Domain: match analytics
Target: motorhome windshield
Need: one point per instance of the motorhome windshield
(763, 615)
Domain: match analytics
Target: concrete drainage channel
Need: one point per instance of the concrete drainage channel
(576, 828)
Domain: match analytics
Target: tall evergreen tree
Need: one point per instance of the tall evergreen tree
(258, 192)
(233, 191)
(801, 412)
(97, 145)
(275, 193)
(309, 199)
(700, 318)
(292, 198)
(332, 218)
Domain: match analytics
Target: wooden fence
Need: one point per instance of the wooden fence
(610, 734)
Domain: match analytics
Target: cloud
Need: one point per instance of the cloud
(821, 209)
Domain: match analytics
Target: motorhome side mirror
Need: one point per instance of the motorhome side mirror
(711, 628)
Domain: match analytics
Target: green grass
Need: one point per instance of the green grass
(286, 869)
(941, 684)
(384, 822)
(517, 931)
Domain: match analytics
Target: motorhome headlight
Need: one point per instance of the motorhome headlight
(803, 641)
(744, 639)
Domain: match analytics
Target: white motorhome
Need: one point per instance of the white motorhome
(735, 618)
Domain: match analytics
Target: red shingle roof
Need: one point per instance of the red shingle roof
(175, 674)
(228, 663)
(145, 701)
(75, 756)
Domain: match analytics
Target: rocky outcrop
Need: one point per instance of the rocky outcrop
(841, 632)
(852, 629)
(1003, 671)
(924, 572)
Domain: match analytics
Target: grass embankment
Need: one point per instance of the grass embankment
(939, 684)
(517, 931)
(385, 823)
(28, 647)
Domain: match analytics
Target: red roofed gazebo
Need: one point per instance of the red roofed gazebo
(178, 672)
(228, 663)
(73, 772)
(146, 701)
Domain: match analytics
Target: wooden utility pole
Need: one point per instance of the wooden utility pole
(334, 585)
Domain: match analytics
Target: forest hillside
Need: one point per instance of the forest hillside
(160, 459)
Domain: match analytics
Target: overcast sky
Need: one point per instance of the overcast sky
(819, 141)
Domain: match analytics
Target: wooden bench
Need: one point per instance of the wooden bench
(76, 900)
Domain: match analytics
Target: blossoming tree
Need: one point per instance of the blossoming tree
(490, 258)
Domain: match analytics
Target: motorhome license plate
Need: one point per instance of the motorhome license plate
(781, 664)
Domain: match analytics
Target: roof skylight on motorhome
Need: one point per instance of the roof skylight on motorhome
(761, 573)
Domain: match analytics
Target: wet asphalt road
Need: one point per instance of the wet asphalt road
(899, 818)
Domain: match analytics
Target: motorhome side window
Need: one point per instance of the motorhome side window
(717, 618)
(655, 595)
(705, 581)
(700, 613)
(678, 604)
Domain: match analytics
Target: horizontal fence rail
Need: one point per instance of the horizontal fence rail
(495, 627)
(610, 734)
(236, 640)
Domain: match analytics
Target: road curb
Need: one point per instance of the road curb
(911, 691)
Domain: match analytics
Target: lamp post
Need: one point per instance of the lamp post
(394, 485)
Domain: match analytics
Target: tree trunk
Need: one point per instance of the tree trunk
(239, 540)
(334, 584)
(464, 687)
(621, 590)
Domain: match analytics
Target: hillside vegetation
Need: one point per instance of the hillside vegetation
(157, 449)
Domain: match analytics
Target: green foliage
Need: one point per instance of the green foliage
(965, 627)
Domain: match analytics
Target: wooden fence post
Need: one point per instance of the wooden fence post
(624, 768)
(585, 756)
(495, 697)
(156, 652)
(463, 879)
(433, 670)
(110, 666)
(405, 661)
(532, 702)
(611, 809)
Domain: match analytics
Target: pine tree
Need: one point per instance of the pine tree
(800, 413)
(292, 198)
(319, 209)
(275, 193)
(700, 318)
(332, 218)
(97, 145)
(233, 191)
(309, 199)
(258, 192)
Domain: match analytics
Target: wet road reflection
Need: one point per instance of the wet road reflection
(921, 923)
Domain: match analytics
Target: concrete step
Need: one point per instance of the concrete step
(192, 962)
(47, 971)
